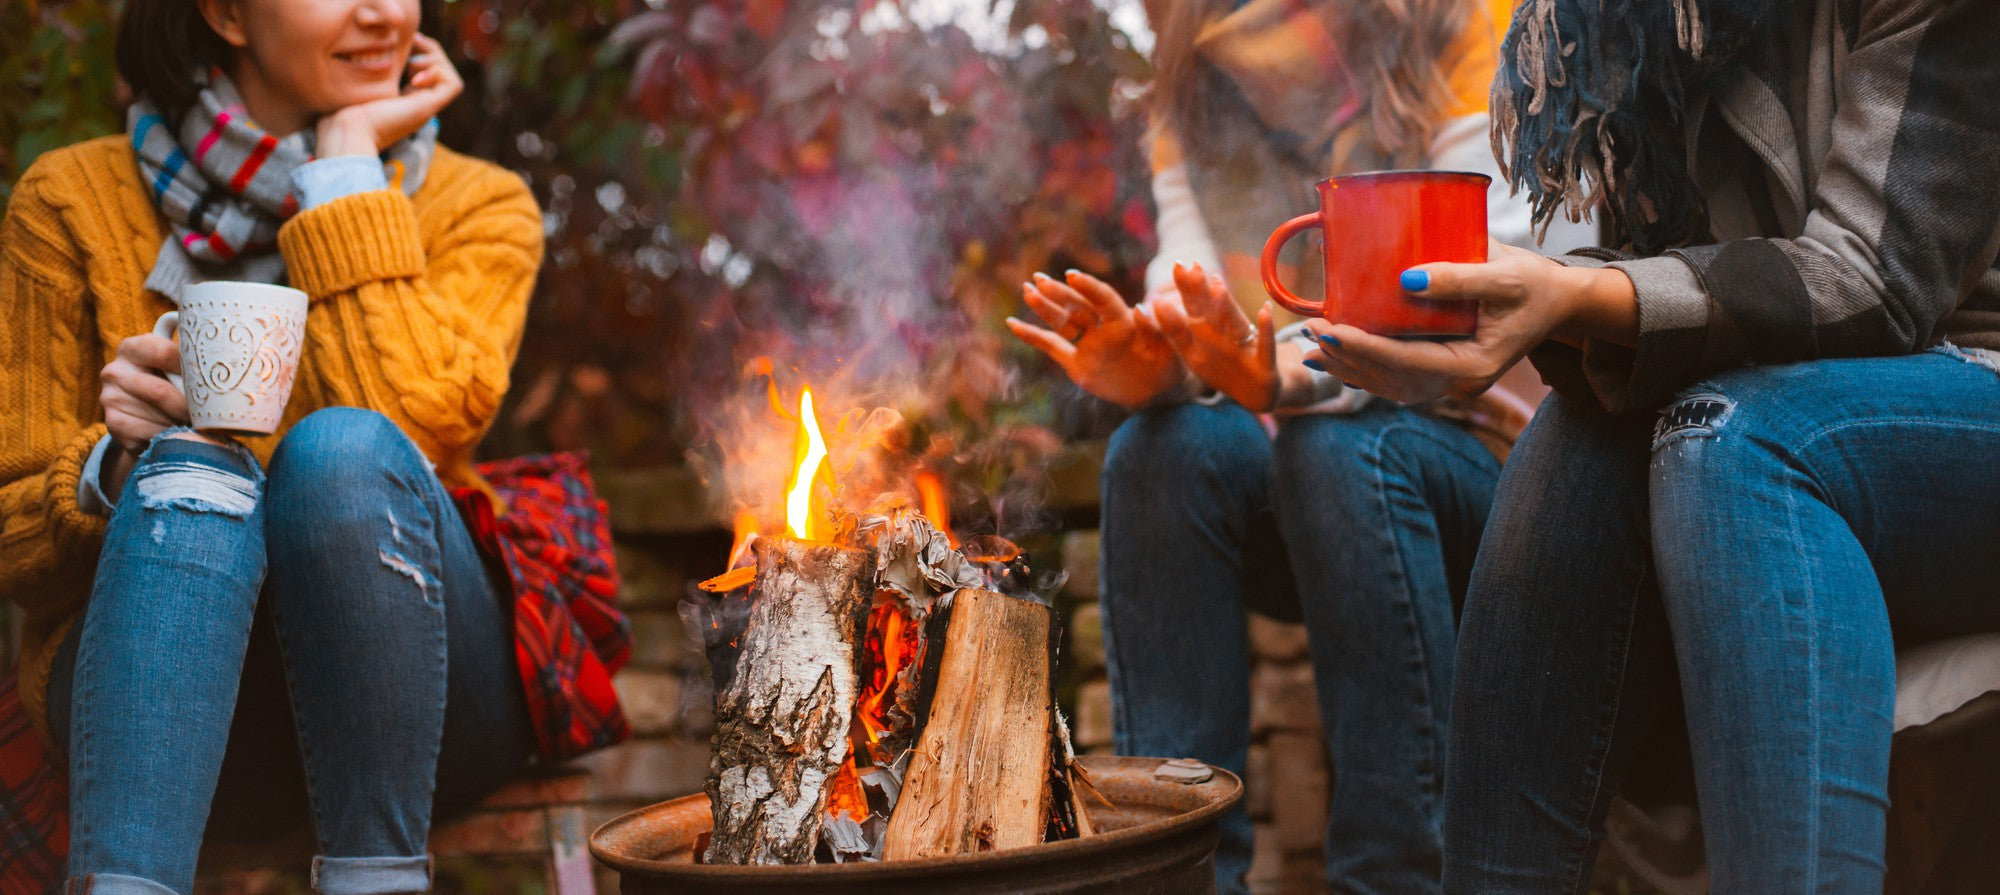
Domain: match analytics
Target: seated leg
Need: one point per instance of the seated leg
(142, 693)
(374, 584)
(1382, 511)
(1184, 488)
(1796, 512)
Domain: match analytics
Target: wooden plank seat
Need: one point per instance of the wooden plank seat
(540, 815)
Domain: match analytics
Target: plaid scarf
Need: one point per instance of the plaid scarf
(225, 208)
(1593, 93)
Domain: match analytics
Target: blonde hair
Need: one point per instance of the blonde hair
(1395, 50)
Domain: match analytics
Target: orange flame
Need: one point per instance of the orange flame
(803, 519)
(937, 508)
(892, 643)
(844, 793)
(746, 534)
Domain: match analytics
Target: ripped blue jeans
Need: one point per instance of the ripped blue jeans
(1764, 543)
(269, 646)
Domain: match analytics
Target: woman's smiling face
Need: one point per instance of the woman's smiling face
(306, 58)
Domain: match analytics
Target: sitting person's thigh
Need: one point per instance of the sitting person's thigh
(1900, 449)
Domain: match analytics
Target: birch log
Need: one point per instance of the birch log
(979, 776)
(782, 720)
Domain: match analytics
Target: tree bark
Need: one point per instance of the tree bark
(782, 719)
(979, 776)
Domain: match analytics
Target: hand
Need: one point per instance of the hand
(1106, 347)
(370, 127)
(138, 399)
(1524, 299)
(139, 402)
(1207, 329)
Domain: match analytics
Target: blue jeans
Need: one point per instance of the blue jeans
(255, 644)
(1766, 540)
(1371, 519)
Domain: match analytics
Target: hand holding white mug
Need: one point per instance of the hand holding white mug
(138, 399)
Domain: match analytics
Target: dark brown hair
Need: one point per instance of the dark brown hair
(161, 44)
(1395, 50)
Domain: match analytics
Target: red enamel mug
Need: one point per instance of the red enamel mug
(1377, 225)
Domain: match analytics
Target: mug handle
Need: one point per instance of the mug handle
(167, 327)
(1279, 237)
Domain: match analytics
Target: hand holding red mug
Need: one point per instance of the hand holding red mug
(1522, 300)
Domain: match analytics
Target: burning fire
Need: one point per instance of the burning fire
(893, 639)
(893, 642)
(844, 794)
(803, 519)
(936, 507)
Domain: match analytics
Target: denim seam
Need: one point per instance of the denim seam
(1814, 828)
(1475, 458)
(1378, 449)
(1580, 869)
(299, 733)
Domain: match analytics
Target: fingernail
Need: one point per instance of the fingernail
(1416, 280)
(1330, 342)
(1314, 365)
(1072, 272)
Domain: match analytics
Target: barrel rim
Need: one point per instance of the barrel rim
(1116, 841)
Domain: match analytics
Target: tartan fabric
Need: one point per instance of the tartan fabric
(554, 540)
(34, 803)
(225, 186)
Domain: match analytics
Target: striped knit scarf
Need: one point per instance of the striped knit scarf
(225, 186)
(1592, 95)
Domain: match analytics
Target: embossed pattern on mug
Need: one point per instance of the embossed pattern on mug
(239, 361)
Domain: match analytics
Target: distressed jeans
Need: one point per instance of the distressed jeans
(1371, 519)
(1768, 539)
(267, 645)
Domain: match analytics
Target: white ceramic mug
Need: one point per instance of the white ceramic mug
(240, 347)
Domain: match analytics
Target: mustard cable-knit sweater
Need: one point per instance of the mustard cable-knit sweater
(418, 303)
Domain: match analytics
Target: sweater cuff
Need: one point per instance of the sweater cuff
(69, 522)
(1673, 325)
(352, 240)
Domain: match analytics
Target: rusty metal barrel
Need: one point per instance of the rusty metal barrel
(1158, 835)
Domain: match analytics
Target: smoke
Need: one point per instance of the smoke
(866, 276)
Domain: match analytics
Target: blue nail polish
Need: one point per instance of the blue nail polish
(1416, 280)
(1314, 365)
(1330, 342)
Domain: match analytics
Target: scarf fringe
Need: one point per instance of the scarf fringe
(1588, 94)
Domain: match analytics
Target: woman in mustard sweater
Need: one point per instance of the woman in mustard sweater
(221, 623)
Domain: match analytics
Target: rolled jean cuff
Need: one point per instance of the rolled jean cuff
(113, 884)
(371, 876)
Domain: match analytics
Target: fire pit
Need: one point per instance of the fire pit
(1157, 836)
(886, 719)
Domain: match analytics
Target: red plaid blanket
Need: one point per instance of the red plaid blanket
(569, 637)
(34, 803)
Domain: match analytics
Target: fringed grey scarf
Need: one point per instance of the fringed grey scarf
(1592, 96)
